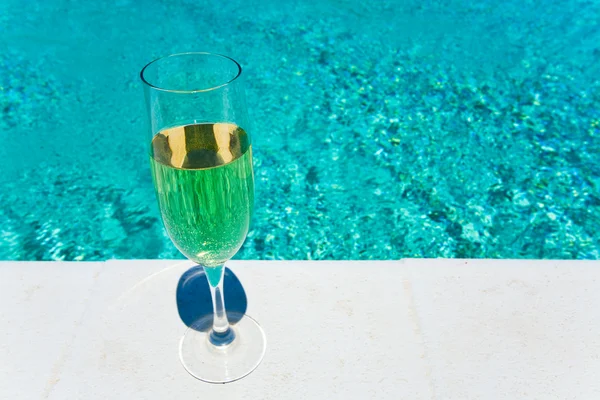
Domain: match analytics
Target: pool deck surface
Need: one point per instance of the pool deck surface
(413, 329)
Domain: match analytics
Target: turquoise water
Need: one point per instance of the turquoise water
(451, 129)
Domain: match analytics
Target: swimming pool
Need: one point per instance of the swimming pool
(381, 129)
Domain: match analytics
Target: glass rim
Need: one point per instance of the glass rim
(195, 53)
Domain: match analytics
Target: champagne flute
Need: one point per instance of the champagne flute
(201, 161)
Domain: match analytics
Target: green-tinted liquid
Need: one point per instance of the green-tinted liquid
(205, 188)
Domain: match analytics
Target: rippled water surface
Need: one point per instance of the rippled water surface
(381, 129)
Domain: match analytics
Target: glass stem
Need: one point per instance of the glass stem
(221, 333)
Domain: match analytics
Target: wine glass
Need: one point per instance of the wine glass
(201, 161)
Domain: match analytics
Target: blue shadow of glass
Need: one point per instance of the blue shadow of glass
(194, 301)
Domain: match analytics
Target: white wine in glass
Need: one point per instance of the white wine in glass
(201, 161)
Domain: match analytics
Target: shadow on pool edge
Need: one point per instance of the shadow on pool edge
(194, 300)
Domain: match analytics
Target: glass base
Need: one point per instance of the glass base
(227, 363)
